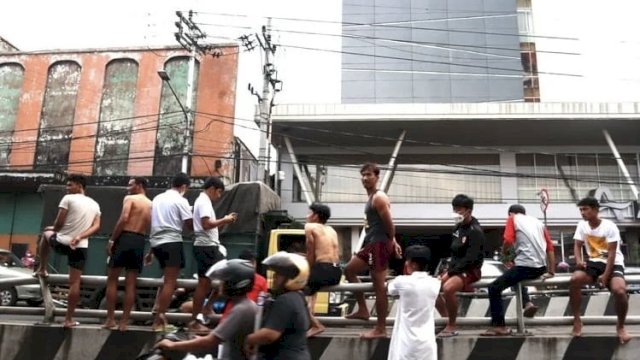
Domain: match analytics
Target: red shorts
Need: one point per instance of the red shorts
(469, 277)
(376, 255)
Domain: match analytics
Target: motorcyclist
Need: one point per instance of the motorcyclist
(283, 334)
(237, 278)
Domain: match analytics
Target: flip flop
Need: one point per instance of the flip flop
(447, 334)
(73, 324)
(492, 332)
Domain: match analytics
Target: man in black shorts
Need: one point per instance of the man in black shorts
(170, 213)
(126, 250)
(207, 249)
(605, 265)
(323, 257)
(78, 218)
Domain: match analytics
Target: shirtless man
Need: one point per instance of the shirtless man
(378, 247)
(126, 249)
(322, 255)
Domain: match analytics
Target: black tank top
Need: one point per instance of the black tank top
(374, 227)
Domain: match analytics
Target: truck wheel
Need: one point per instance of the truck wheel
(8, 297)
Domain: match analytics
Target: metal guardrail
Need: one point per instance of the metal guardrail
(49, 311)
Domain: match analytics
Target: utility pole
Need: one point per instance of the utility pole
(190, 40)
(265, 100)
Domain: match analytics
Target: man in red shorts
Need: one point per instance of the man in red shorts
(467, 252)
(378, 247)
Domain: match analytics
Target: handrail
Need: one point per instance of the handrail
(50, 311)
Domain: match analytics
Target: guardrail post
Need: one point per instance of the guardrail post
(47, 301)
(519, 312)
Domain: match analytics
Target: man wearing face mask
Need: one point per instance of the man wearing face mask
(170, 213)
(467, 252)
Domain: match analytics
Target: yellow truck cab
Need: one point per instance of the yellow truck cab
(293, 240)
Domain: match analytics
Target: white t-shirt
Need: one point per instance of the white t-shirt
(81, 211)
(204, 208)
(169, 210)
(413, 334)
(596, 241)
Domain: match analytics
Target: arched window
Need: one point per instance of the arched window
(172, 120)
(116, 117)
(56, 120)
(11, 76)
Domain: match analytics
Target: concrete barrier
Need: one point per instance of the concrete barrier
(23, 341)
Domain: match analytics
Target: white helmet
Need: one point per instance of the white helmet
(292, 266)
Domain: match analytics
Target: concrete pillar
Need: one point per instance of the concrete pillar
(508, 185)
(355, 238)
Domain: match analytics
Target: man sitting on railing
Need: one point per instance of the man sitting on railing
(601, 239)
(533, 245)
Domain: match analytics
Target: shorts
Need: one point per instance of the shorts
(128, 251)
(376, 255)
(322, 274)
(469, 277)
(205, 257)
(76, 258)
(169, 254)
(596, 268)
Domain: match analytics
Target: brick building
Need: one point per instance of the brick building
(107, 114)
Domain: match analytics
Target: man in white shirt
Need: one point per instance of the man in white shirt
(413, 335)
(78, 218)
(605, 264)
(170, 213)
(207, 249)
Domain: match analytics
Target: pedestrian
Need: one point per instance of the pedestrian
(323, 258)
(207, 249)
(534, 258)
(28, 260)
(170, 214)
(604, 264)
(78, 218)
(232, 331)
(125, 249)
(413, 335)
(378, 247)
(466, 261)
(283, 334)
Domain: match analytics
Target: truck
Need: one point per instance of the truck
(262, 227)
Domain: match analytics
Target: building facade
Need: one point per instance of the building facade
(107, 114)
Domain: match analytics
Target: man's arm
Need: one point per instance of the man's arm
(310, 245)
(603, 279)
(188, 225)
(577, 252)
(127, 205)
(383, 207)
(59, 221)
(95, 226)
(262, 337)
(199, 344)
(551, 256)
(207, 223)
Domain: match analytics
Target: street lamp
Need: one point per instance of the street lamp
(185, 155)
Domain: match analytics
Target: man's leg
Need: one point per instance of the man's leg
(449, 290)
(618, 288)
(202, 289)
(129, 298)
(111, 295)
(164, 297)
(510, 278)
(382, 305)
(578, 280)
(355, 267)
(43, 253)
(316, 326)
(74, 295)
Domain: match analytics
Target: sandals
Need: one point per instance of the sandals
(447, 334)
(494, 332)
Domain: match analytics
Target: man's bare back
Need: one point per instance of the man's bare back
(139, 218)
(325, 242)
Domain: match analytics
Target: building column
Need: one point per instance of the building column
(508, 185)
(355, 238)
(632, 239)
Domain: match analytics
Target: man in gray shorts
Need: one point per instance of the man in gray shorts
(207, 249)
(78, 218)
(170, 213)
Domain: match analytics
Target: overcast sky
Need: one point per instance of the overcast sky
(605, 35)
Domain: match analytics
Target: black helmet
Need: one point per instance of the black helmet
(292, 266)
(237, 276)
